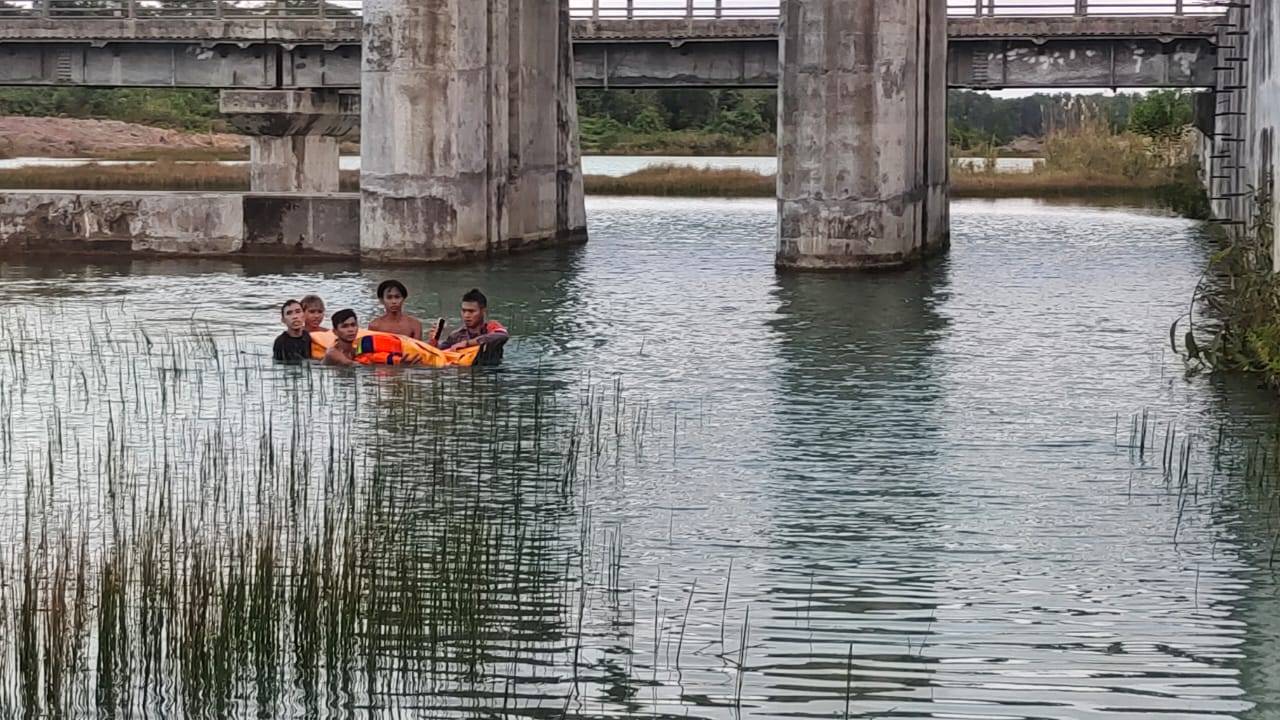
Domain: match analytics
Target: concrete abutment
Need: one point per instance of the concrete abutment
(1240, 121)
(862, 150)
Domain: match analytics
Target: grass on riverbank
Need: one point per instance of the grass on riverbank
(1239, 295)
(161, 175)
(164, 175)
(658, 181)
(178, 155)
(684, 181)
(1088, 162)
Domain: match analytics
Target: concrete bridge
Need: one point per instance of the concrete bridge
(988, 52)
(469, 128)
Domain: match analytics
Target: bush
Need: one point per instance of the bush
(193, 110)
(1162, 114)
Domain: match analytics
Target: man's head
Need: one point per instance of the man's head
(313, 309)
(345, 325)
(393, 293)
(474, 306)
(292, 317)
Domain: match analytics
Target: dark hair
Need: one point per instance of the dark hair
(342, 316)
(288, 304)
(388, 284)
(477, 297)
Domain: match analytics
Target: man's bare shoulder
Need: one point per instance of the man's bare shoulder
(337, 355)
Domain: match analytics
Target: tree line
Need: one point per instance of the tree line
(726, 117)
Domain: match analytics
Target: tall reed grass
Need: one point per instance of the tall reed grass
(161, 175)
(192, 531)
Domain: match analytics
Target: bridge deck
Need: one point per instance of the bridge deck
(271, 52)
(100, 31)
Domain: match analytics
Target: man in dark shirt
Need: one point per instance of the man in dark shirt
(477, 329)
(294, 344)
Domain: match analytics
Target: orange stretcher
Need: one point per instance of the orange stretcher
(379, 348)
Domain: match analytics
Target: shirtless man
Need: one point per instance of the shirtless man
(392, 295)
(346, 327)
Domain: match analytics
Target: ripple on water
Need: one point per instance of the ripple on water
(914, 476)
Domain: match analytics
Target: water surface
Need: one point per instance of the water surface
(906, 487)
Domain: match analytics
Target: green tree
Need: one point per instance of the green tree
(650, 120)
(687, 108)
(1162, 114)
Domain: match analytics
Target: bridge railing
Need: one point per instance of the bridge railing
(583, 9)
(178, 9)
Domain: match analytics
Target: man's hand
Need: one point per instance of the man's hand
(462, 345)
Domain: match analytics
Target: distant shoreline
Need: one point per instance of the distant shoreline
(673, 181)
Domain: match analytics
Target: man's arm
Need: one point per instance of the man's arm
(415, 330)
(495, 335)
(336, 357)
(452, 339)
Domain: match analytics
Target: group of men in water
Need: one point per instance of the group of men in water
(306, 316)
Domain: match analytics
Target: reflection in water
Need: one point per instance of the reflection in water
(857, 488)
(698, 488)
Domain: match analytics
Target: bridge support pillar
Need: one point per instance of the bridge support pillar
(862, 149)
(469, 129)
(294, 136)
(294, 163)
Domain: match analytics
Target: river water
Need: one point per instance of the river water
(612, 165)
(893, 495)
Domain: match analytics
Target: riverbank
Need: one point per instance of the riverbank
(69, 137)
(112, 139)
(1233, 321)
(1179, 191)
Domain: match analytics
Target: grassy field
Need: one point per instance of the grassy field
(160, 175)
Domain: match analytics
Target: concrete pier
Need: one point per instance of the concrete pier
(469, 129)
(862, 149)
(294, 136)
(294, 163)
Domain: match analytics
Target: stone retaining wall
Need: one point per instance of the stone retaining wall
(178, 223)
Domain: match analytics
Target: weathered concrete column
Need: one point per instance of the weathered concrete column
(295, 136)
(469, 141)
(862, 149)
(293, 163)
